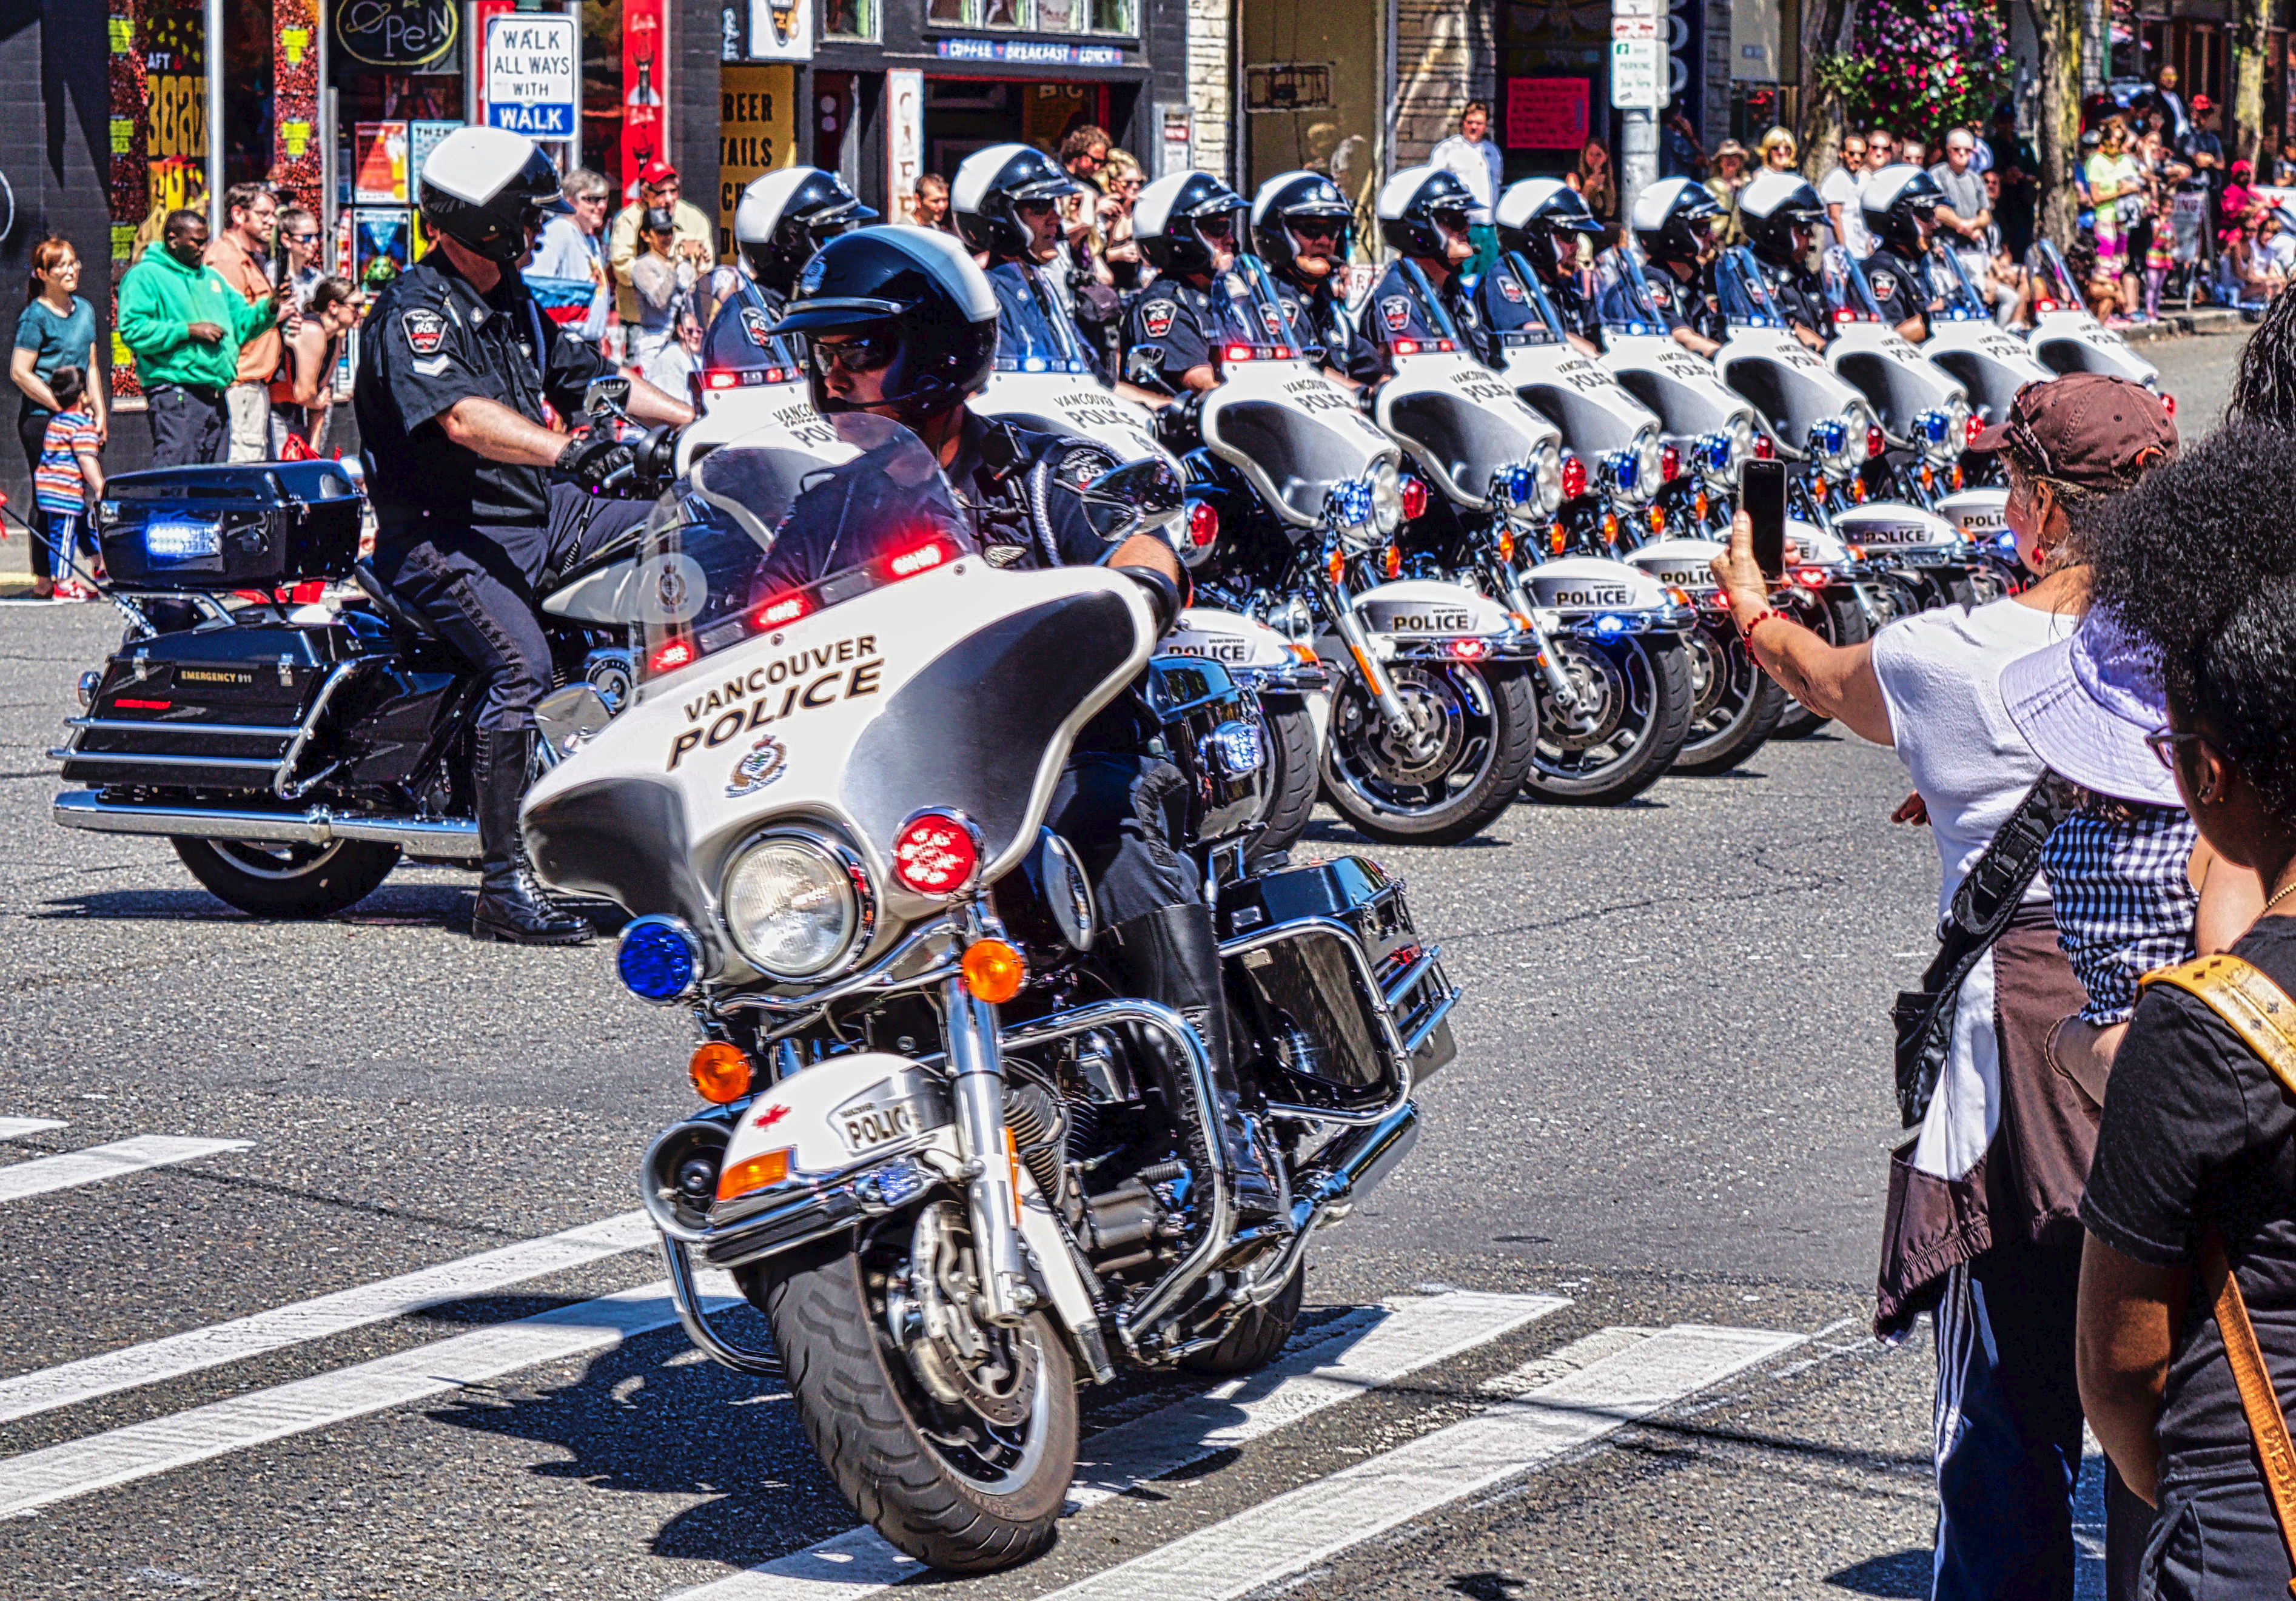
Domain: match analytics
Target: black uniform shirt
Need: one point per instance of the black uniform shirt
(431, 340)
(1575, 310)
(1177, 325)
(1799, 294)
(1327, 338)
(1684, 305)
(1393, 313)
(1901, 289)
(1505, 303)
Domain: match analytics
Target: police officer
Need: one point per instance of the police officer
(1299, 223)
(1546, 223)
(903, 324)
(1674, 221)
(1899, 204)
(1005, 202)
(1782, 214)
(458, 375)
(1186, 225)
(780, 221)
(1422, 216)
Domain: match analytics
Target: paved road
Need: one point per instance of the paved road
(1603, 1334)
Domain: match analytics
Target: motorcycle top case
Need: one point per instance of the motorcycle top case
(216, 528)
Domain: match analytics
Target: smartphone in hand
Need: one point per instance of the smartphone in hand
(1762, 493)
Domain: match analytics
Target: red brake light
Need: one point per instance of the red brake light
(931, 554)
(1669, 465)
(1574, 477)
(785, 609)
(720, 378)
(2168, 404)
(1203, 524)
(1444, 344)
(1976, 426)
(1406, 347)
(935, 854)
(1845, 315)
(1876, 444)
(670, 657)
(1415, 498)
(1469, 650)
(1239, 353)
(1812, 578)
(1765, 450)
(2044, 305)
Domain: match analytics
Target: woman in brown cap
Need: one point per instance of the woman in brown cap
(1982, 1223)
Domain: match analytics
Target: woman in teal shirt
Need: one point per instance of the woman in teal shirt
(56, 329)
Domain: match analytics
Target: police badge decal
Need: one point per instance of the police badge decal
(425, 330)
(766, 762)
(1396, 311)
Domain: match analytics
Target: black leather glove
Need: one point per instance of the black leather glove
(597, 461)
(1163, 595)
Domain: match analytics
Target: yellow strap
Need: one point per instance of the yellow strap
(2258, 1010)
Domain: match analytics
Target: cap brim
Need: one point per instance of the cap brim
(2077, 737)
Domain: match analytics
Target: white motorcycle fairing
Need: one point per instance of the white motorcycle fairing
(1898, 381)
(1071, 403)
(1979, 513)
(961, 687)
(2072, 341)
(1785, 383)
(1293, 433)
(1461, 424)
(1595, 414)
(1683, 564)
(1582, 585)
(1898, 529)
(1990, 364)
(764, 414)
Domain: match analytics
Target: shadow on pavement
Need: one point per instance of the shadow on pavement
(1901, 1573)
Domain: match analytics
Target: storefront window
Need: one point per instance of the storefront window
(1006, 13)
(849, 19)
(949, 13)
(1113, 16)
(1033, 16)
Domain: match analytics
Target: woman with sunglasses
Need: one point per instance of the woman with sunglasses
(1982, 1204)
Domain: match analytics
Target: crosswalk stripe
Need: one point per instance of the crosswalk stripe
(1371, 1349)
(44, 1174)
(1317, 1521)
(68, 1384)
(122, 1455)
(16, 1128)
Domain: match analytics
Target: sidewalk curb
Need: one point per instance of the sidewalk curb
(2179, 325)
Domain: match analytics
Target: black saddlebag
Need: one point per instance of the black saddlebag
(213, 709)
(253, 527)
(1309, 997)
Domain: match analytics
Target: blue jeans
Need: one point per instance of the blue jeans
(2008, 1445)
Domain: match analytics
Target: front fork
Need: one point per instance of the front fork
(1334, 598)
(1507, 577)
(992, 1189)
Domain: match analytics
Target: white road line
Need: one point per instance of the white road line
(16, 1128)
(42, 1174)
(1373, 1349)
(68, 1383)
(58, 1472)
(1318, 1521)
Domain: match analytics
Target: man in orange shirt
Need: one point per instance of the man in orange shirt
(241, 253)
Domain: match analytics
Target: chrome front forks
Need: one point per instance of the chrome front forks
(992, 1179)
(1401, 726)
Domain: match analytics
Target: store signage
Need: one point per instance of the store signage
(533, 74)
(1288, 86)
(1638, 75)
(905, 140)
(1033, 53)
(781, 30)
(1545, 113)
(395, 33)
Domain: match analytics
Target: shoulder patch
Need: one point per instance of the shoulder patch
(425, 330)
(1273, 318)
(1395, 309)
(1884, 286)
(1004, 555)
(1156, 318)
(754, 323)
(1079, 462)
(1508, 287)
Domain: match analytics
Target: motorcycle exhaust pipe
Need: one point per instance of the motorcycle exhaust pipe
(452, 838)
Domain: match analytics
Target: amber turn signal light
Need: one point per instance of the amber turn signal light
(992, 971)
(753, 1173)
(721, 1072)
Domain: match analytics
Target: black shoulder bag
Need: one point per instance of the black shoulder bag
(1982, 907)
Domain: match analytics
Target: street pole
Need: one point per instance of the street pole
(213, 19)
(1639, 86)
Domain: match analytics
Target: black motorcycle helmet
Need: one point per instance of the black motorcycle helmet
(988, 182)
(1168, 217)
(784, 216)
(1532, 213)
(484, 187)
(1771, 207)
(1291, 197)
(918, 285)
(1410, 204)
(1891, 198)
(1667, 218)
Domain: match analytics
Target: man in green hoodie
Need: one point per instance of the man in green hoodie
(185, 324)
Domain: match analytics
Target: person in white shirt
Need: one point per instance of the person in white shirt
(1840, 191)
(569, 247)
(1481, 166)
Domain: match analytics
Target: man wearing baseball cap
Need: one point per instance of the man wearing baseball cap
(693, 240)
(1982, 1226)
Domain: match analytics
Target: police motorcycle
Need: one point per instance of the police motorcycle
(2067, 339)
(959, 1167)
(1990, 363)
(293, 753)
(1432, 717)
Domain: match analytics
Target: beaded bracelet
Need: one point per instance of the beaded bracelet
(1767, 614)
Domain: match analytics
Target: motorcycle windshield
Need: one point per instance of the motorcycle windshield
(738, 353)
(1743, 293)
(761, 534)
(1622, 297)
(1532, 320)
(1849, 298)
(1250, 319)
(1957, 297)
(1043, 343)
(2053, 281)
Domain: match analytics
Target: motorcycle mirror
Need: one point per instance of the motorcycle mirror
(1141, 367)
(568, 717)
(605, 396)
(1145, 496)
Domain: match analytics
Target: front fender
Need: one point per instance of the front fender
(1575, 584)
(1422, 608)
(1684, 563)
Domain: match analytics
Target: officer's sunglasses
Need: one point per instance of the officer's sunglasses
(1034, 207)
(1314, 228)
(1217, 227)
(867, 354)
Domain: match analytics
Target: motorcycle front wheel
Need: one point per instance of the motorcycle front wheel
(1476, 727)
(268, 880)
(1734, 706)
(1633, 718)
(1835, 615)
(951, 1437)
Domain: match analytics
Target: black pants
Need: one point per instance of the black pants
(189, 426)
(32, 432)
(484, 604)
(1125, 814)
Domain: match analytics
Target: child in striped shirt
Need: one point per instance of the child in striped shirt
(68, 478)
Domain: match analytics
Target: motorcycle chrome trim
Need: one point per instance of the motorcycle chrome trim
(857, 875)
(220, 730)
(130, 759)
(1358, 1162)
(992, 1179)
(448, 838)
(880, 977)
(280, 786)
(685, 1296)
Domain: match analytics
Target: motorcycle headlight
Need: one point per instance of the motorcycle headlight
(1854, 424)
(794, 909)
(1741, 438)
(1386, 498)
(1650, 462)
(1546, 463)
(1515, 493)
(1956, 426)
(1349, 510)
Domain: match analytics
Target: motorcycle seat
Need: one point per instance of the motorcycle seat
(402, 616)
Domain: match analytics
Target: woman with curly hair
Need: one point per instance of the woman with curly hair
(2198, 1138)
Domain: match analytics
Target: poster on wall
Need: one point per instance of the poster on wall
(295, 153)
(421, 139)
(781, 30)
(757, 132)
(645, 90)
(1545, 113)
(905, 140)
(379, 164)
(380, 244)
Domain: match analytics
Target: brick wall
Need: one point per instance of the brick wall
(1443, 59)
(1211, 91)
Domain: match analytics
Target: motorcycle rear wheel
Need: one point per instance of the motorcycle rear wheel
(1735, 704)
(1636, 690)
(1838, 619)
(1486, 721)
(947, 1486)
(1292, 778)
(266, 880)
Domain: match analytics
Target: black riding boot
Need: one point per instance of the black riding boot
(512, 905)
(1171, 956)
